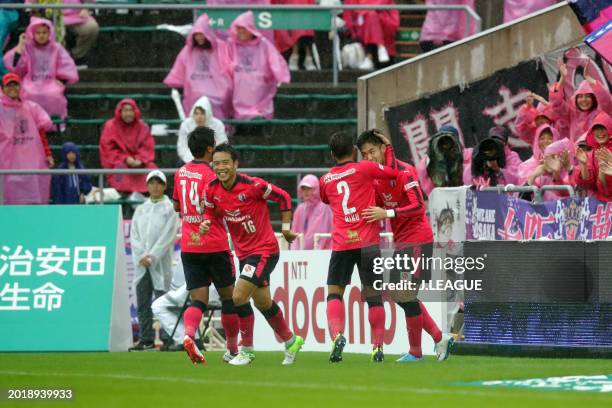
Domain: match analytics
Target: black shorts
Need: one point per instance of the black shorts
(202, 269)
(342, 264)
(422, 273)
(257, 268)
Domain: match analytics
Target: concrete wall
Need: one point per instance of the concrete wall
(465, 61)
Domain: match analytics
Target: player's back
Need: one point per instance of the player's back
(189, 184)
(348, 189)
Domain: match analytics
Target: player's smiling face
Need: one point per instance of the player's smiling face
(373, 153)
(224, 167)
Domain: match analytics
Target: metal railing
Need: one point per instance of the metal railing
(100, 173)
(334, 11)
(538, 192)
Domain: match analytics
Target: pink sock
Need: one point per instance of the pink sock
(230, 324)
(192, 317)
(376, 317)
(246, 330)
(414, 325)
(430, 325)
(278, 324)
(335, 316)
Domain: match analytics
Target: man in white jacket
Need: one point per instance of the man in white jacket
(200, 115)
(153, 234)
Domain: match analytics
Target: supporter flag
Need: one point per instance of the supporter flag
(592, 14)
(601, 41)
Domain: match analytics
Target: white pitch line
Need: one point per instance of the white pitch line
(300, 385)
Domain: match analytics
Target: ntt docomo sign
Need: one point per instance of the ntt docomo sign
(298, 286)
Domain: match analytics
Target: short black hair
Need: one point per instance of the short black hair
(199, 140)
(227, 148)
(341, 144)
(369, 136)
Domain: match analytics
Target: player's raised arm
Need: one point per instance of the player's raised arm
(416, 202)
(377, 171)
(268, 191)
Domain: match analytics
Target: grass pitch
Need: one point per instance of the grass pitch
(170, 380)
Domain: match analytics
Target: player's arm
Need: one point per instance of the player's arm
(377, 171)
(268, 191)
(390, 159)
(176, 202)
(209, 212)
(415, 206)
(322, 192)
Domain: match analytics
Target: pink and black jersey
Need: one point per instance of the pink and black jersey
(403, 194)
(245, 210)
(189, 184)
(348, 188)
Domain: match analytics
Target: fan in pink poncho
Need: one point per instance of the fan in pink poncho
(375, 29)
(126, 142)
(311, 216)
(45, 67)
(22, 127)
(299, 42)
(225, 34)
(204, 68)
(514, 9)
(554, 169)
(442, 27)
(580, 110)
(594, 172)
(258, 69)
(545, 135)
(529, 118)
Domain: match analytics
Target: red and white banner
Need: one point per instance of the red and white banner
(298, 286)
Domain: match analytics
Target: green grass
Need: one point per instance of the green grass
(170, 380)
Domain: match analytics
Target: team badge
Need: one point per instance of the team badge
(242, 197)
(392, 183)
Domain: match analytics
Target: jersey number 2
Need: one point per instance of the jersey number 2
(343, 188)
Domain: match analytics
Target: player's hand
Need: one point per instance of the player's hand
(205, 227)
(289, 235)
(373, 214)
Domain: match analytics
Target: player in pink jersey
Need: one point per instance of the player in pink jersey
(241, 201)
(404, 205)
(207, 258)
(347, 188)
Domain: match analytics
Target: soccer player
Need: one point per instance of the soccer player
(404, 205)
(241, 201)
(207, 258)
(347, 188)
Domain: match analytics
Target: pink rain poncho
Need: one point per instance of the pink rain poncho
(579, 122)
(258, 69)
(224, 34)
(514, 9)
(312, 217)
(286, 39)
(21, 147)
(41, 67)
(528, 166)
(204, 72)
(377, 27)
(447, 25)
(525, 121)
(556, 148)
(602, 191)
(119, 141)
(73, 16)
